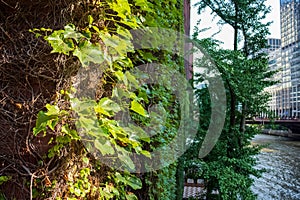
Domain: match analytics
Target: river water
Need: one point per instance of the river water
(281, 159)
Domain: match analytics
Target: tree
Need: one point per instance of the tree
(244, 16)
(244, 70)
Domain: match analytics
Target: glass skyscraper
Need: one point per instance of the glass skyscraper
(274, 52)
(285, 101)
(290, 56)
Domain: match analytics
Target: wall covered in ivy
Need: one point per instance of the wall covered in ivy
(44, 46)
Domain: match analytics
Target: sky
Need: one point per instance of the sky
(226, 31)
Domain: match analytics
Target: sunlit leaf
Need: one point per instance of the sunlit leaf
(122, 7)
(52, 123)
(146, 153)
(72, 133)
(104, 146)
(125, 158)
(42, 121)
(106, 105)
(71, 33)
(143, 4)
(134, 182)
(52, 110)
(59, 44)
(131, 196)
(88, 124)
(132, 79)
(83, 107)
(137, 133)
(88, 52)
(117, 44)
(90, 19)
(138, 108)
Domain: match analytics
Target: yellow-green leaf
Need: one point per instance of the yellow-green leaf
(104, 146)
(71, 33)
(146, 153)
(42, 121)
(138, 108)
(106, 105)
(52, 110)
(59, 44)
(88, 52)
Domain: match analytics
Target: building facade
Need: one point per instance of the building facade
(274, 44)
(290, 53)
(276, 89)
(285, 100)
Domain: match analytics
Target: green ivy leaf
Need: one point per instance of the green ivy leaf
(137, 133)
(149, 57)
(132, 79)
(72, 198)
(120, 75)
(46, 29)
(72, 133)
(105, 192)
(143, 4)
(119, 92)
(4, 179)
(100, 110)
(90, 19)
(52, 110)
(88, 124)
(83, 107)
(131, 196)
(106, 106)
(63, 139)
(104, 146)
(133, 96)
(138, 108)
(122, 7)
(125, 158)
(143, 95)
(117, 45)
(88, 52)
(86, 160)
(125, 33)
(146, 153)
(42, 121)
(134, 182)
(58, 44)
(71, 33)
(52, 123)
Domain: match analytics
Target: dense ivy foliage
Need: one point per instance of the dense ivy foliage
(108, 45)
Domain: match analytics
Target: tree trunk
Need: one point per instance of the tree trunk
(235, 43)
(232, 107)
(233, 100)
(179, 179)
(243, 117)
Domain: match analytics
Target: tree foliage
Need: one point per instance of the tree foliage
(228, 168)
